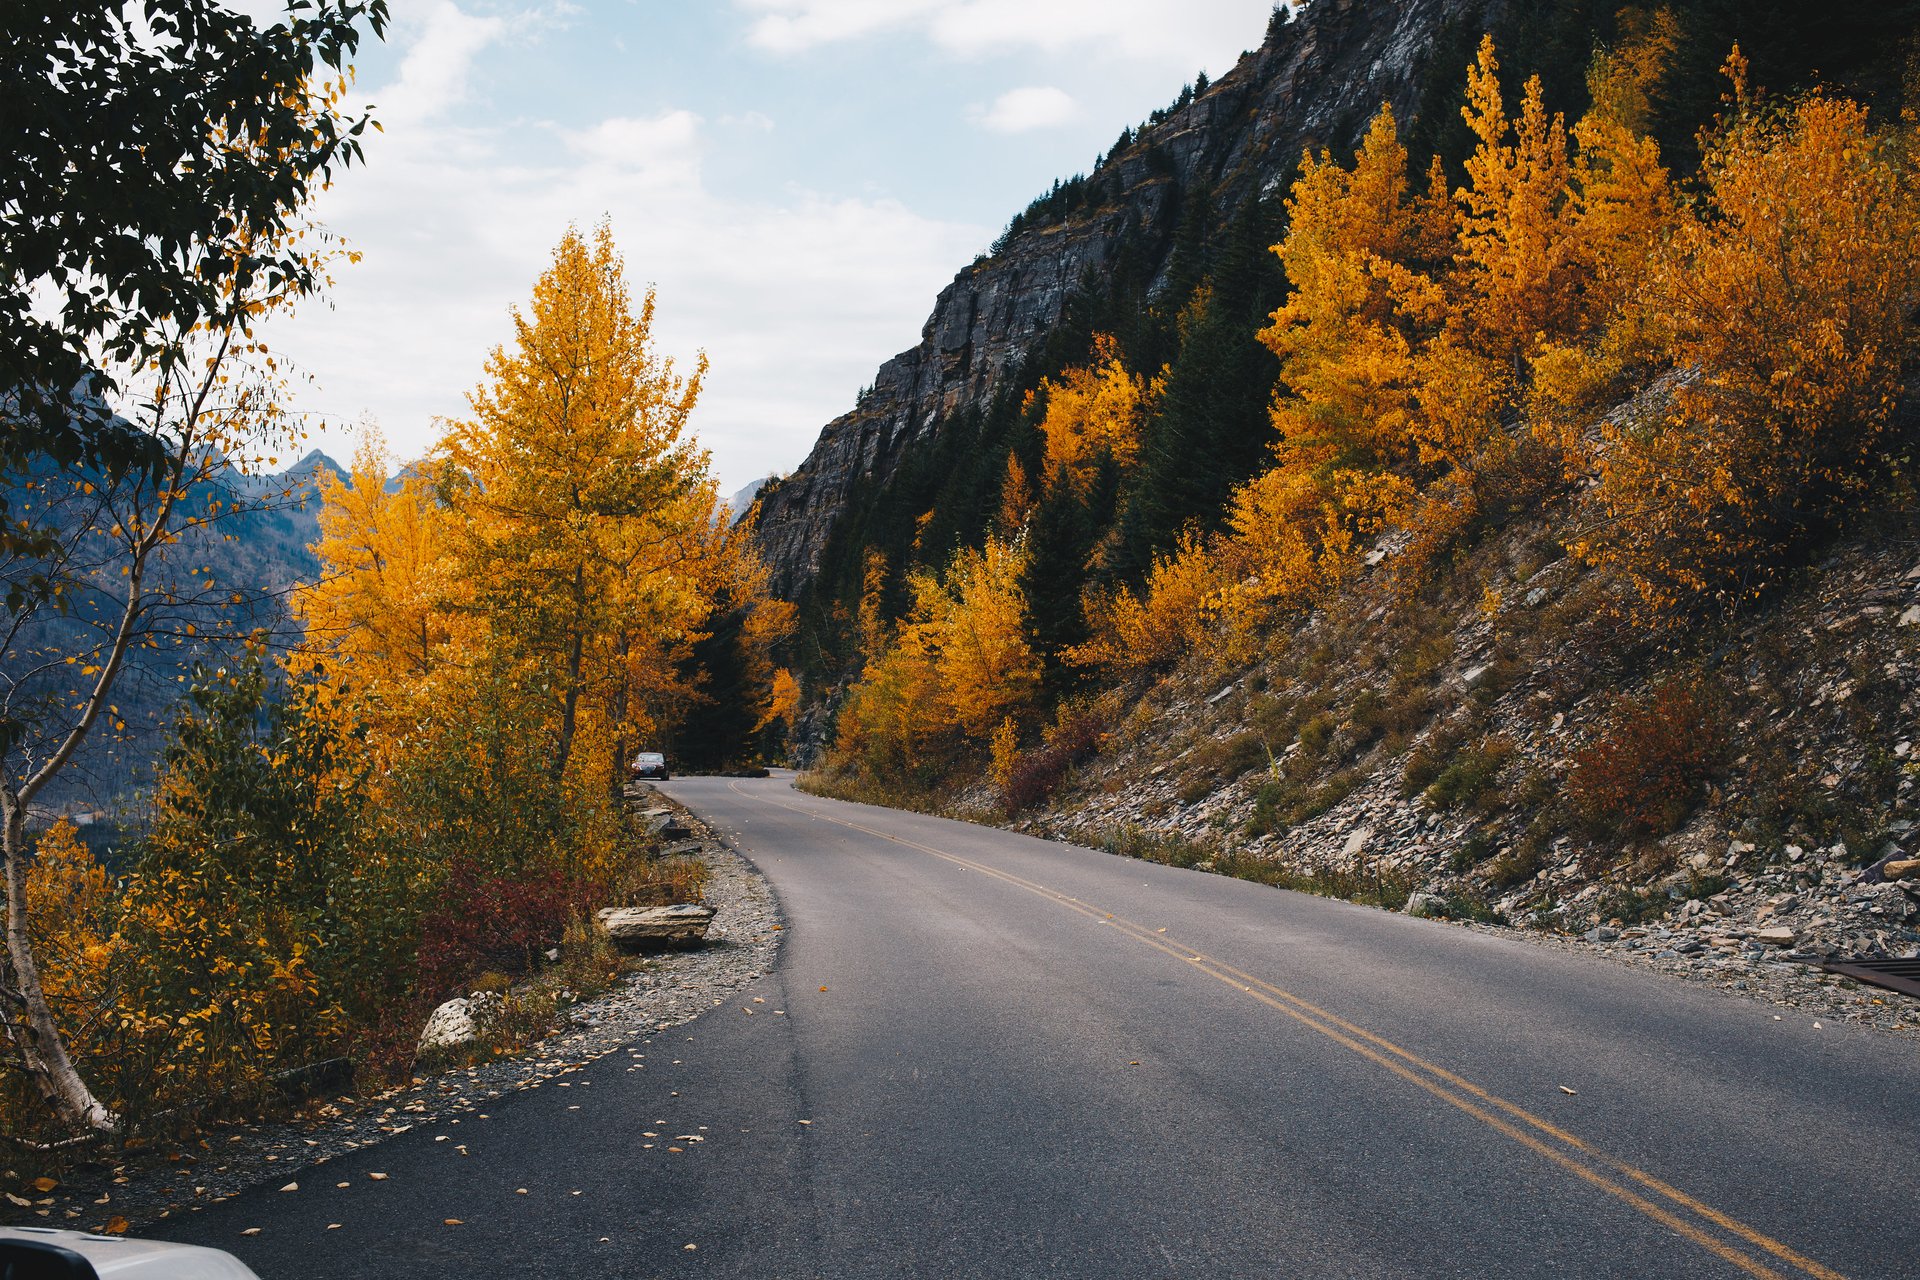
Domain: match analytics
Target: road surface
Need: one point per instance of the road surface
(987, 1055)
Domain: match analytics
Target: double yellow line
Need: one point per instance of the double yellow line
(1671, 1207)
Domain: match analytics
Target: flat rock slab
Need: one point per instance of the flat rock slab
(668, 827)
(657, 928)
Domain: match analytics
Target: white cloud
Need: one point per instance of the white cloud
(791, 26)
(794, 295)
(1019, 110)
(661, 152)
(1184, 35)
(434, 73)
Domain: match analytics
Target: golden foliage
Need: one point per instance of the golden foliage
(958, 665)
(1092, 413)
(1782, 301)
(1171, 616)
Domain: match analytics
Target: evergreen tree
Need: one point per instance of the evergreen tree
(719, 727)
(1211, 431)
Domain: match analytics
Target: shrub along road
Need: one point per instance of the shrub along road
(986, 1055)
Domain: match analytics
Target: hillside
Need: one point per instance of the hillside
(1124, 246)
(256, 555)
(1312, 82)
(1527, 537)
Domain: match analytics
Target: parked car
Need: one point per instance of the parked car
(649, 764)
(49, 1253)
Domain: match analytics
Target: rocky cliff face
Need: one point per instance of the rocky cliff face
(1314, 82)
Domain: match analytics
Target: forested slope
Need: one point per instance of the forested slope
(1467, 468)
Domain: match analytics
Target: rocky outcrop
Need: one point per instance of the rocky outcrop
(657, 928)
(1314, 82)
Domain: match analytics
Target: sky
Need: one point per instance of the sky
(797, 178)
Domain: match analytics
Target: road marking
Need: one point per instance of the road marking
(1506, 1118)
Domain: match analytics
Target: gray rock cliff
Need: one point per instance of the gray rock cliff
(1314, 82)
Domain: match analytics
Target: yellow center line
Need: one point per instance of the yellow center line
(1436, 1080)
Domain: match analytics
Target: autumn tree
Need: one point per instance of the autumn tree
(122, 576)
(1783, 303)
(383, 606)
(157, 160)
(1093, 412)
(578, 502)
(956, 667)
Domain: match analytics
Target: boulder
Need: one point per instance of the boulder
(1777, 936)
(657, 928)
(1427, 906)
(450, 1026)
(1901, 869)
(666, 826)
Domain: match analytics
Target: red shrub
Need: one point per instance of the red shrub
(1038, 772)
(492, 922)
(1643, 769)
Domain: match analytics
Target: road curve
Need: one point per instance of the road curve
(988, 1055)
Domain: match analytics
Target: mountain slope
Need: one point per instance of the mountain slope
(1313, 82)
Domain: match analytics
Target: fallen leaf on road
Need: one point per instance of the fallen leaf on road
(692, 1247)
(116, 1226)
(519, 1191)
(43, 1184)
(806, 1122)
(823, 988)
(251, 1231)
(1569, 1092)
(453, 1222)
(22, 1201)
(1159, 930)
(291, 1186)
(378, 1177)
(1134, 1063)
(343, 1184)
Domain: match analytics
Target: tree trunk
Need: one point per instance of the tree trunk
(43, 1050)
(576, 655)
(622, 710)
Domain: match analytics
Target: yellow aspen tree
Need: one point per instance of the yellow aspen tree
(1359, 251)
(1171, 615)
(988, 670)
(382, 601)
(1092, 412)
(1518, 252)
(571, 484)
(1785, 299)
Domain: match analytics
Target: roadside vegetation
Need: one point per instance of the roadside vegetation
(409, 787)
(1578, 402)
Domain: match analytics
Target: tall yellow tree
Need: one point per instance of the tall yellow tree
(382, 604)
(1092, 412)
(577, 501)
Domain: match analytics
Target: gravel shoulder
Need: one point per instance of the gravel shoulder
(674, 989)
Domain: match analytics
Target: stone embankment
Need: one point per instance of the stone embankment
(1822, 687)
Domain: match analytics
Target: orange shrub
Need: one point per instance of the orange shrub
(1644, 767)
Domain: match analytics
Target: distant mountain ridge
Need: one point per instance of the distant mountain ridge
(1315, 81)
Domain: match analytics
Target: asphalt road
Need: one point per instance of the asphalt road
(986, 1055)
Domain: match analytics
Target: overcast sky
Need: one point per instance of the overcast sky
(798, 177)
